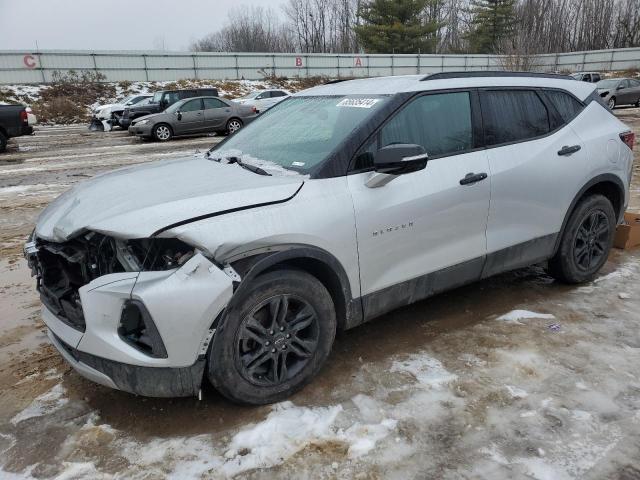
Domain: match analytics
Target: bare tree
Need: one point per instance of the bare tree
(254, 29)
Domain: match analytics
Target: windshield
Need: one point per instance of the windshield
(577, 76)
(157, 97)
(607, 83)
(126, 100)
(301, 132)
(249, 95)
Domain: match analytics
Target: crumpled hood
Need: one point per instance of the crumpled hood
(138, 201)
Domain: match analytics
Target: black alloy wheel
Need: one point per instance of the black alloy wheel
(276, 340)
(592, 240)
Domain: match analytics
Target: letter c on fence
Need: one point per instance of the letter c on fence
(298, 61)
(29, 61)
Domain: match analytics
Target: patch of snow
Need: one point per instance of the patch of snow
(428, 371)
(46, 403)
(286, 430)
(514, 316)
(363, 438)
(516, 392)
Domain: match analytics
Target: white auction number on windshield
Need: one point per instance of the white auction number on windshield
(358, 102)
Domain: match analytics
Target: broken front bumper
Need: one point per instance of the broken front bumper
(182, 305)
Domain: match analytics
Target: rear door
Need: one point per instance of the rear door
(627, 94)
(191, 117)
(216, 113)
(426, 221)
(537, 165)
(634, 86)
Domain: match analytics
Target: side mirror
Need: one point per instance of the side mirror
(400, 158)
(619, 87)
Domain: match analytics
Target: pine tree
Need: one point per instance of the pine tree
(396, 26)
(493, 21)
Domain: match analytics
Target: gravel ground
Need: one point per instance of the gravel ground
(513, 377)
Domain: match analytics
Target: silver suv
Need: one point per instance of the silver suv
(341, 203)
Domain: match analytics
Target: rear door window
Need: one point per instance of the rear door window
(566, 105)
(512, 116)
(210, 103)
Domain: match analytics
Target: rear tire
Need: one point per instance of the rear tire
(274, 339)
(586, 241)
(233, 125)
(3, 142)
(637, 104)
(162, 132)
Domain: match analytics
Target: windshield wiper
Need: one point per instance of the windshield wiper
(236, 159)
(251, 168)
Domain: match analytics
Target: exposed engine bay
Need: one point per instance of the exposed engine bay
(62, 269)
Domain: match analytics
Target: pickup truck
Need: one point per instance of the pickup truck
(162, 100)
(14, 122)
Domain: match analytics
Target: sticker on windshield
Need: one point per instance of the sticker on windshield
(358, 102)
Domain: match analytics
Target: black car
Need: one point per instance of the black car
(14, 121)
(161, 100)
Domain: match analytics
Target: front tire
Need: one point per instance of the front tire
(3, 142)
(612, 103)
(586, 241)
(274, 339)
(162, 132)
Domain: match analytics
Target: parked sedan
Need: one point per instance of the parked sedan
(264, 99)
(194, 115)
(620, 91)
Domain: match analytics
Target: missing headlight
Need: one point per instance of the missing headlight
(157, 254)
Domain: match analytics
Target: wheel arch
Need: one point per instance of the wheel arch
(608, 185)
(313, 260)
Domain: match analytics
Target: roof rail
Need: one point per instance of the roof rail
(490, 73)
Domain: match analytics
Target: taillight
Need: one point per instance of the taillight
(24, 117)
(629, 139)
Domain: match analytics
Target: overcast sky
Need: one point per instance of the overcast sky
(113, 24)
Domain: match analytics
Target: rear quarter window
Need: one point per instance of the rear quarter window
(512, 116)
(566, 105)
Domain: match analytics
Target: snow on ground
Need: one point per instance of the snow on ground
(46, 403)
(515, 316)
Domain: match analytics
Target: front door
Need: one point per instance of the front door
(190, 118)
(426, 222)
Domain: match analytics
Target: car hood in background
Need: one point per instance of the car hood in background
(136, 202)
(151, 116)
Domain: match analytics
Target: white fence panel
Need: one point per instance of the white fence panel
(38, 67)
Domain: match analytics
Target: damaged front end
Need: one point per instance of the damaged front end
(127, 313)
(61, 269)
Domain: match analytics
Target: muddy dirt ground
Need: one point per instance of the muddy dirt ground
(513, 377)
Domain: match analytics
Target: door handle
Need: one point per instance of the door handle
(564, 151)
(470, 178)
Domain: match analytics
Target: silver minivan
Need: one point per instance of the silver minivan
(339, 204)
